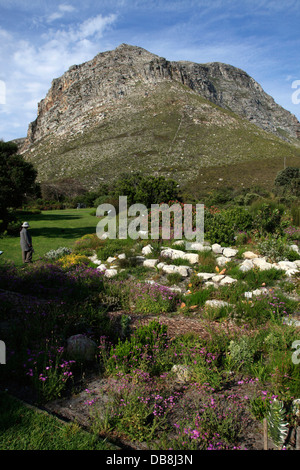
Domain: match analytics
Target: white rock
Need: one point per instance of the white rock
(160, 265)
(193, 258)
(217, 277)
(146, 250)
(227, 280)
(206, 248)
(217, 249)
(295, 248)
(291, 272)
(210, 283)
(175, 254)
(229, 252)
(171, 253)
(250, 255)
(178, 243)
(95, 260)
(183, 372)
(110, 273)
(216, 303)
(169, 268)
(122, 256)
(257, 292)
(102, 267)
(262, 264)
(150, 263)
(206, 276)
(291, 321)
(222, 260)
(198, 247)
(287, 265)
(182, 270)
(246, 265)
(276, 266)
(297, 263)
(110, 259)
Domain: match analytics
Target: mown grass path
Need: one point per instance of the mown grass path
(50, 230)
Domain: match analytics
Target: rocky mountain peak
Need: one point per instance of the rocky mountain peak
(110, 75)
(131, 109)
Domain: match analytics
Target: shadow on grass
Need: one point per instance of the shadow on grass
(53, 217)
(59, 232)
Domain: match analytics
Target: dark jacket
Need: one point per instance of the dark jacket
(25, 240)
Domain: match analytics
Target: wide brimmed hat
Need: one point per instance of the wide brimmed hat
(25, 224)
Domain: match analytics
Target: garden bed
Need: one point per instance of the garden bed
(186, 363)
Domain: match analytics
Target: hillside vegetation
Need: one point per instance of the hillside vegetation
(172, 132)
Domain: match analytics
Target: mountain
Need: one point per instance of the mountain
(128, 110)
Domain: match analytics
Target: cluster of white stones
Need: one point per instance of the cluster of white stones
(251, 260)
(223, 255)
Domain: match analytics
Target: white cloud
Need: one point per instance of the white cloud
(95, 25)
(62, 9)
(68, 8)
(61, 49)
(32, 65)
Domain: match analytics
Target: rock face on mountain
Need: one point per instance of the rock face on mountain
(88, 89)
(128, 109)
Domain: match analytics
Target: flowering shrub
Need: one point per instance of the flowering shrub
(241, 352)
(146, 348)
(50, 281)
(153, 298)
(274, 248)
(214, 426)
(58, 253)
(49, 372)
(71, 260)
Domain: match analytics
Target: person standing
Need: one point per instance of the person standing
(26, 243)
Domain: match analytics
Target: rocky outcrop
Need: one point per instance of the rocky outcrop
(83, 95)
(233, 89)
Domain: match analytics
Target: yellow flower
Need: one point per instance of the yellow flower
(72, 260)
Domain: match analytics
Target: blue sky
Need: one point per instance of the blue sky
(40, 40)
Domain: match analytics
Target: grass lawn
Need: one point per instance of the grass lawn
(50, 230)
(24, 428)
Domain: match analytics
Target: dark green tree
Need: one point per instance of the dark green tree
(127, 185)
(146, 190)
(156, 190)
(17, 181)
(287, 182)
